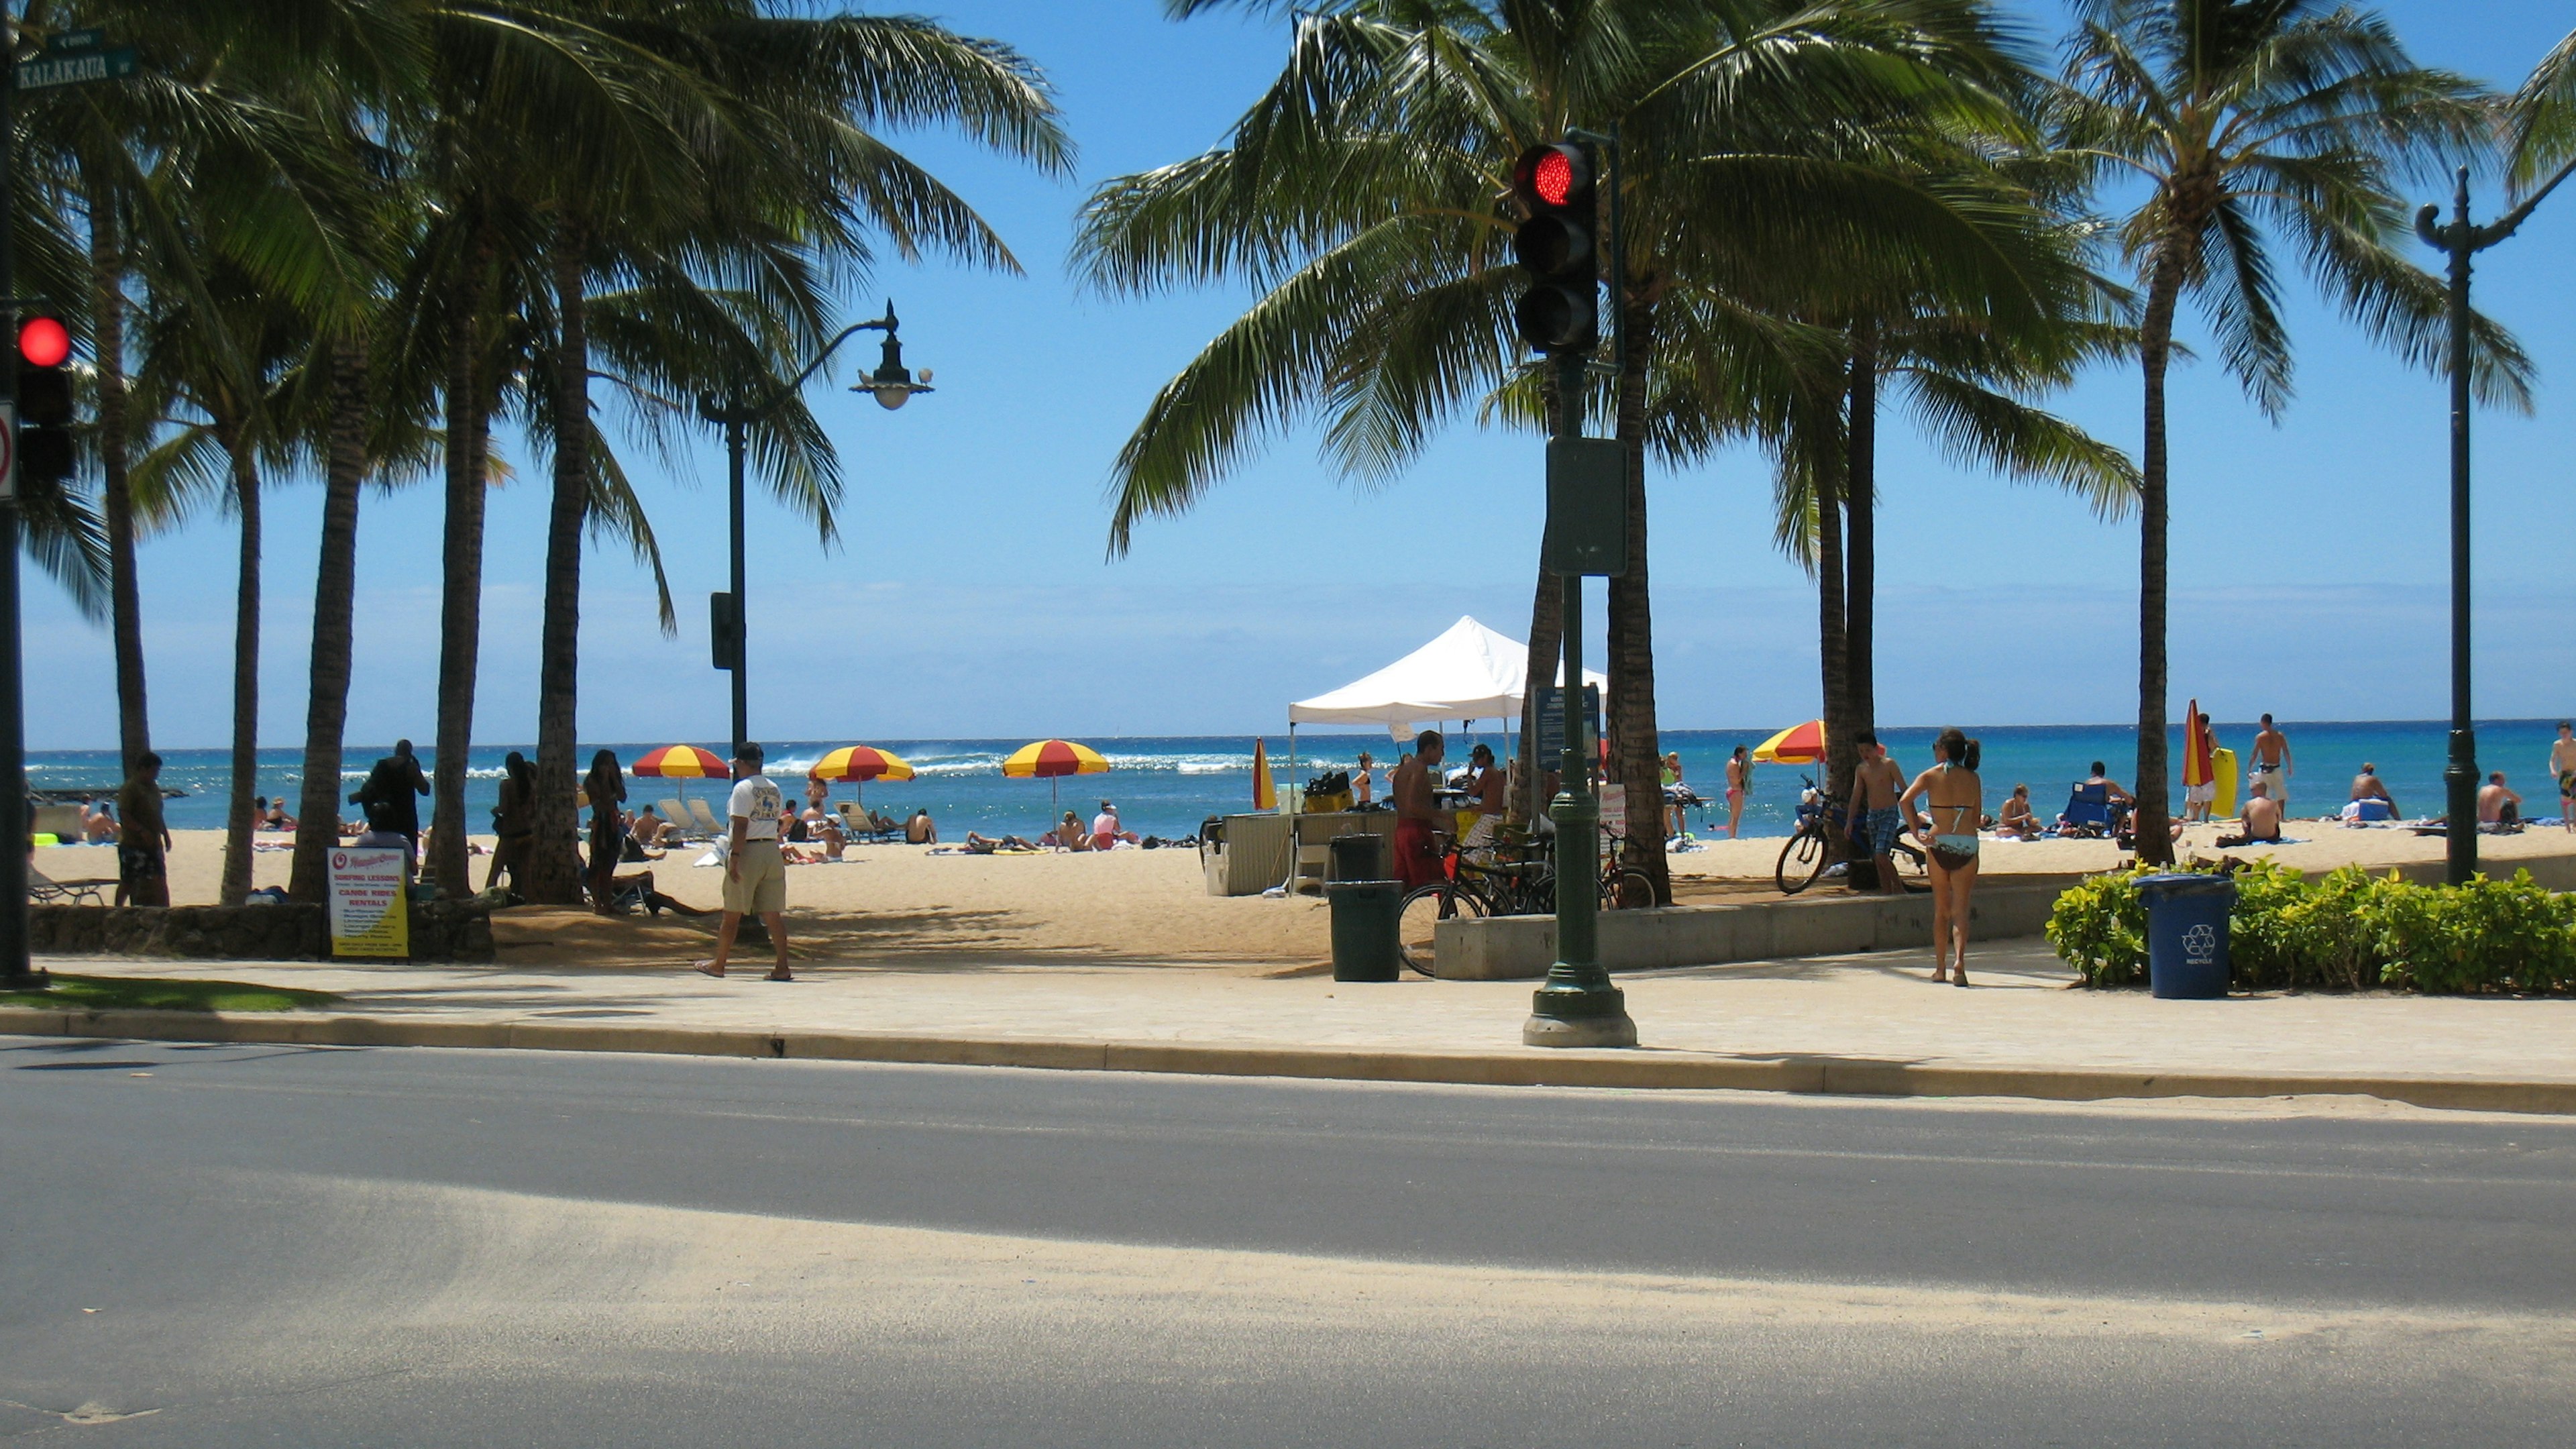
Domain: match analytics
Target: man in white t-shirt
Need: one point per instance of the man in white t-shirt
(755, 875)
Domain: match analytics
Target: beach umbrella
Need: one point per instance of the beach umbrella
(2197, 760)
(681, 762)
(860, 764)
(1052, 760)
(1264, 795)
(1797, 745)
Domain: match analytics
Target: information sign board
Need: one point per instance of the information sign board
(370, 911)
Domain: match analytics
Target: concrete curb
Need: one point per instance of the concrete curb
(1635, 1070)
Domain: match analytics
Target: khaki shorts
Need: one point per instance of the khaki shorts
(756, 883)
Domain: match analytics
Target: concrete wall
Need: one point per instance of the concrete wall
(294, 931)
(1511, 948)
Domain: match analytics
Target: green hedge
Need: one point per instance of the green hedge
(2344, 930)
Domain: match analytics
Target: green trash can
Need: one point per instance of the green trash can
(1365, 943)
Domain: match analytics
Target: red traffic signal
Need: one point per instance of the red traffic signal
(1554, 242)
(44, 342)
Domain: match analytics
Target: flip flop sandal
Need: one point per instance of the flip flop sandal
(774, 976)
(708, 969)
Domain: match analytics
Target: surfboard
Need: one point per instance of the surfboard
(2223, 774)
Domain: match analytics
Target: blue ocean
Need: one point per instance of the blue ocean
(1168, 786)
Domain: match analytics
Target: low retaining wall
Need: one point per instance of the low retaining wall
(294, 931)
(1512, 948)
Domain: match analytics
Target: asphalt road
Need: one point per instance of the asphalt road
(229, 1246)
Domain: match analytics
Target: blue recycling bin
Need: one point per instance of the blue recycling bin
(2187, 934)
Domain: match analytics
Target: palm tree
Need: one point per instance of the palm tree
(760, 120)
(1362, 195)
(2242, 117)
(219, 454)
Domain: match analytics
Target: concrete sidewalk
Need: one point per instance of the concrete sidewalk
(1866, 1023)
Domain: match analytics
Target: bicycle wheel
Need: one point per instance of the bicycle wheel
(1627, 885)
(1425, 908)
(1801, 861)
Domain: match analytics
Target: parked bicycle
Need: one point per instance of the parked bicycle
(1519, 881)
(1810, 848)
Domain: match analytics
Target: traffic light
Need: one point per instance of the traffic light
(1561, 311)
(44, 402)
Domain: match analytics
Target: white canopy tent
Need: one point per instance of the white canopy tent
(1470, 672)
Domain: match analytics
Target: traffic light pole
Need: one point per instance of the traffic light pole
(15, 971)
(1578, 1006)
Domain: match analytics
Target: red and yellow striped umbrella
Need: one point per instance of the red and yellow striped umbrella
(1797, 745)
(860, 764)
(681, 762)
(1050, 759)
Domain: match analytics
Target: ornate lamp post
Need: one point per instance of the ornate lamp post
(890, 385)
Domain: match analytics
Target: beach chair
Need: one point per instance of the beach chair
(854, 824)
(2087, 812)
(705, 817)
(676, 816)
(44, 890)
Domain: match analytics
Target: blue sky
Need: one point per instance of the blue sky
(971, 596)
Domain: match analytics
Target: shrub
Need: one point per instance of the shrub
(2345, 930)
(2099, 927)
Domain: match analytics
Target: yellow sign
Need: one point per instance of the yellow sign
(370, 910)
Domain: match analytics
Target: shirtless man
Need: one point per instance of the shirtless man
(1875, 786)
(2272, 765)
(2368, 786)
(2562, 767)
(2262, 818)
(2497, 803)
(1417, 812)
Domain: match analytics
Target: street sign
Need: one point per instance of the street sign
(64, 41)
(1587, 507)
(1551, 721)
(79, 67)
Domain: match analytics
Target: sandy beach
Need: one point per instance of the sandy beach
(899, 905)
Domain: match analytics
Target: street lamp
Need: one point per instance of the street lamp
(890, 385)
(2462, 241)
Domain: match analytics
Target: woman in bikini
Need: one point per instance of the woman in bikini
(1955, 799)
(1739, 781)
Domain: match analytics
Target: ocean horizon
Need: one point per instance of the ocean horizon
(1169, 785)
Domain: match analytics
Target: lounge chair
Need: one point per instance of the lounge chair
(675, 815)
(44, 890)
(855, 826)
(2088, 811)
(705, 818)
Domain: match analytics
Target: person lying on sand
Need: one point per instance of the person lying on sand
(986, 845)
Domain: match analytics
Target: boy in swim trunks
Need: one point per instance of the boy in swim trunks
(1875, 786)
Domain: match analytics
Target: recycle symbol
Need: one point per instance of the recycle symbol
(2200, 943)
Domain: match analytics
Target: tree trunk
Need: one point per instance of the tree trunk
(460, 614)
(107, 330)
(1634, 759)
(554, 863)
(335, 587)
(1860, 535)
(1842, 747)
(238, 820)
(1545, 656)
(2155, 837)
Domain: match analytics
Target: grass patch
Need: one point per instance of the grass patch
(146, 993)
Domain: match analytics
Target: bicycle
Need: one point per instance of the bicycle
(1509, 887)
(1803, 857)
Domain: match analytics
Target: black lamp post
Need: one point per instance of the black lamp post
(890, 385)
(2462, 240)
